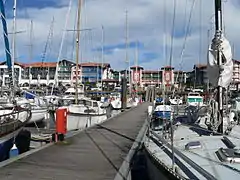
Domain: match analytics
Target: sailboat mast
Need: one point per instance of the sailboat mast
(136, 67)
(77, 46)
(102, 57)
(13, 39)
(127, 59)
(30, 50)
(218, 35)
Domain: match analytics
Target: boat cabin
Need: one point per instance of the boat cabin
(161, 113)
(194, 99)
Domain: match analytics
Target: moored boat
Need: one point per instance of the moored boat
(200, 145)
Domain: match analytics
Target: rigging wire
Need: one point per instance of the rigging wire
(61, 45)
(187, 32)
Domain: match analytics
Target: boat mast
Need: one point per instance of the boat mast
(127, 59)
(77, 47)
(102, 57)
(218, 36)
(136, 67)
(30, 50)
(13, 41)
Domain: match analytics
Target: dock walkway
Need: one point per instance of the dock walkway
(94, 154)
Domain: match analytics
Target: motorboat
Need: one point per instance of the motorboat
(194, 99)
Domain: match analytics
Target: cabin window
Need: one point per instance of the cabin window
(95, 104)
(88, 103)
(81, 102)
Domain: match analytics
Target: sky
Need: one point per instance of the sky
(150, 29)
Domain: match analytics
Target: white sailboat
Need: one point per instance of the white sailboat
(12, 119)
(200, 146)
(87, 106)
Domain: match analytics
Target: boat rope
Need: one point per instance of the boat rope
(187, 32)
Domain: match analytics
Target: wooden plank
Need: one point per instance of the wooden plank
(96, 153)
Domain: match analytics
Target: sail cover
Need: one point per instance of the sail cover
(5, 35)
(220, 75)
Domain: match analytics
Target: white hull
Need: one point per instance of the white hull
(38, 116)
(176, 101)
(117, 104)
(83, 110)
(81, 122)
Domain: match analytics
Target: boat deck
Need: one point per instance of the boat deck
(96, 153)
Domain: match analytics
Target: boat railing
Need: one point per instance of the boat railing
(9, 122)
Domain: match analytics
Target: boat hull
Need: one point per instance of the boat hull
(9, 131)
(117, 105)
(156, 169)
(38, 116)
(85, 111)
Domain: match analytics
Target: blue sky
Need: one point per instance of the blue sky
(146, 25)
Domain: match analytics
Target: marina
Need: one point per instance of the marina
(88, 107)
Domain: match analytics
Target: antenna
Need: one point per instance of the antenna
(218, 35)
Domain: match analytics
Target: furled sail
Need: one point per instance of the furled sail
(6, 42)
(220, 75)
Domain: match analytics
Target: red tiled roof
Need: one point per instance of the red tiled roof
(41, 64)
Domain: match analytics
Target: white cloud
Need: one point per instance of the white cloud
(146, 24)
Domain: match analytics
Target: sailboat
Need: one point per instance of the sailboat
(13, 118)
(204, 144)
(81, 104)
(38, 107)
